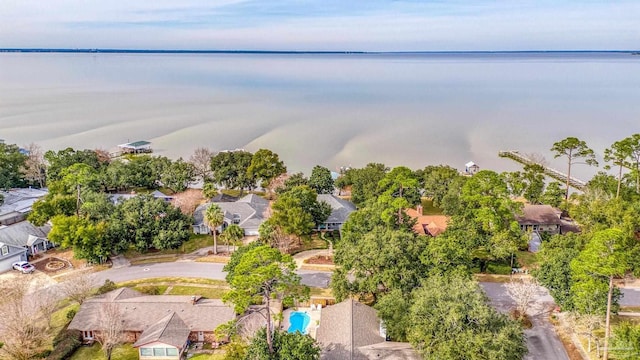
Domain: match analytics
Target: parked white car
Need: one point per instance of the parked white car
(24, 267)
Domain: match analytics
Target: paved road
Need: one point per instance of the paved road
(542, 340)
(631, 297)
(193, 269)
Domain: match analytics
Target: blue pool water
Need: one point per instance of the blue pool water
(298, 321)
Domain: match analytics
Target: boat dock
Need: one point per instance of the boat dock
(550, 172)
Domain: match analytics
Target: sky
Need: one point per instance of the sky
(357, 25)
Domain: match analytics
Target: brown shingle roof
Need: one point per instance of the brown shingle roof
(538, 215)
(139, 312)
(433, 225)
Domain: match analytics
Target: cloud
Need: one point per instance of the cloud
(321, 25)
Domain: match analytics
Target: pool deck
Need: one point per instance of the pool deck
(314, 316)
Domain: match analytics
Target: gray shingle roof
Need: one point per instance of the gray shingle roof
(20, 200)
(139, 312)
(23, 233)
(251, 209)
(169, 330)
(345, 327)
(340, 208)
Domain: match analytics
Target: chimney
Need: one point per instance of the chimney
(193, 300)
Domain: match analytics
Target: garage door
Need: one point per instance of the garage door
(5, 264)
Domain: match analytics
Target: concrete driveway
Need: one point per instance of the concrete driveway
(542, 340)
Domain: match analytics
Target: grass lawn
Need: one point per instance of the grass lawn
(209, 293)
(59, 318)
(321, 292)
(151, 289)
(218, 356)
(527, 259)
(429, 209)
(315, 242)
(124, 352)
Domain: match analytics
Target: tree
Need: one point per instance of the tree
(534, 183)
(232, 234)
(577, 152)
(209, 190)
(12, 160)
(229, 168)
(450, 318)
(290, 182)
(214, 218)
(625, 154)
(437, 180)
(64, 158)
(274, 236)
(112, 328)
(25, 327)
(553, 194)
(364, 182)
(397, 191)
(51, 205)
(34, 168)
(178, 175)
(267, 273)
(287, 346)
(378, 262)
(146, 171)
(88, 240)
(79, 287)
(146, 222)
(265, 166)
(522, 292)
(201, 161)
(321, 180)
(297, 212)
(604, 256)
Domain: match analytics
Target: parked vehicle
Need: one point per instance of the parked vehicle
(24, 267)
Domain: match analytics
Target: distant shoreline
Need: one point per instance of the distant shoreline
(304, 52)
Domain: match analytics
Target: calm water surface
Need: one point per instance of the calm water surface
(334, 110)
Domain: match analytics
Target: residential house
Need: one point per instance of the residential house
(340, 211)
(27, 236)
(160, 326)
(10, 254)
(352, 330)
(429, 225)
(540, 218)
(248, 212)
(471, 168)
(17, 204)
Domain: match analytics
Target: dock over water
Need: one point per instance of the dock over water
(550, 172)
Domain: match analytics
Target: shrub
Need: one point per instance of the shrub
(106, 287)
(65, 344)
(148, 289)
(70, 314)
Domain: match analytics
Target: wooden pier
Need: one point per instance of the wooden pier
(550, 172)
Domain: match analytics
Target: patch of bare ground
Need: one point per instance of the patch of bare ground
(188, 200)
(320, 260)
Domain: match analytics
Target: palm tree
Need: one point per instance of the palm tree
(232, 234)
(214, 217)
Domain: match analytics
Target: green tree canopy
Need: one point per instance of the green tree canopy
(437, 180)
(364, 182)
(87, 239)
(11, 161)
(321, 180)
(214, 218)
(576, 151)
(266, 273)
(286, 346)
(398, 190)
(229, 168)
(379, 261)
(297, 212)
(449, 317)
(292, 181)
(265, 166)
(178, 175)
(59, 160)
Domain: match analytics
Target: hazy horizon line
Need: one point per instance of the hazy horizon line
(245, 51)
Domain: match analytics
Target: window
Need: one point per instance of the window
(5, 250)
(146, 352)
(158, 352)
(172, 352)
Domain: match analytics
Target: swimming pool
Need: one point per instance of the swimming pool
(298, 321)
